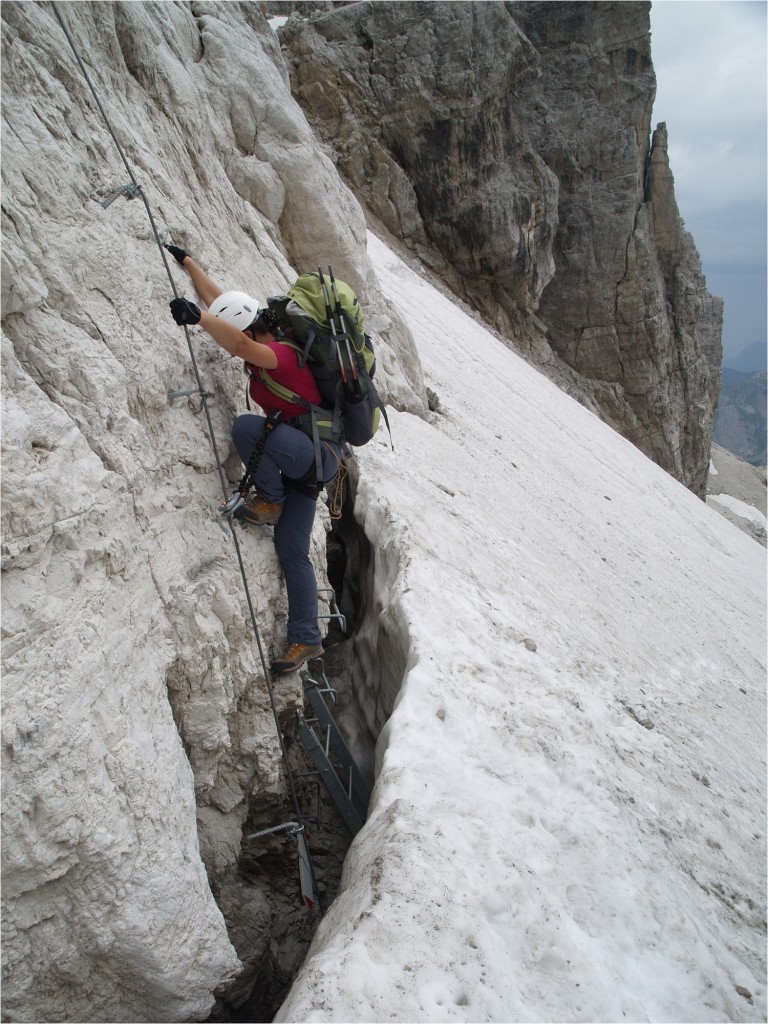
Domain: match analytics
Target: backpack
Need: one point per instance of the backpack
(331, 340)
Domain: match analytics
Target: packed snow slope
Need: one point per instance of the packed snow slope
(569, 818)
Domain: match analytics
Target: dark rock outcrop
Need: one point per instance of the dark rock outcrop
(508, 145)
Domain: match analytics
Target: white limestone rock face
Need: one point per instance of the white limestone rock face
(134, 697)
(107, 912)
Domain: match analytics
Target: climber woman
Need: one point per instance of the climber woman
(286, 476)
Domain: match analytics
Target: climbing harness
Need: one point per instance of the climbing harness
(238, 498)
(132, 190)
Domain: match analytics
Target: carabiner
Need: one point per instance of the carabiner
(231, 506)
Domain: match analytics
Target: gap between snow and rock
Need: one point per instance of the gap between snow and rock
(268, 866)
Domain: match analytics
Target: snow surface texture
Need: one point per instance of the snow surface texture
(569, 817)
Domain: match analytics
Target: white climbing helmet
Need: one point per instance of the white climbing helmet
(236, 308)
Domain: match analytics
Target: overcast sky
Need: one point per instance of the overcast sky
(710, 63)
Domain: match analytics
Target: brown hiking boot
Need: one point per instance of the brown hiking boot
(258, 510)
(295, 657)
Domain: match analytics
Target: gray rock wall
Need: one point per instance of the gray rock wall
(136, 727)
(508, 144)
(414, 100)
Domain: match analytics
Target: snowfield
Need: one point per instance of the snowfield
(741, 508)
(569, 817)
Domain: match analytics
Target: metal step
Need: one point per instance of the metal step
(325, 745)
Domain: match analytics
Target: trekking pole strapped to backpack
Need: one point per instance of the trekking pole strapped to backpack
(339, 334)
(342, 324)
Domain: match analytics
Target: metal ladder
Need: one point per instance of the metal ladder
(325, 745)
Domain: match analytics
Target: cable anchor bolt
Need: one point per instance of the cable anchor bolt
(188, 393)
(130, 191)
(290, 826)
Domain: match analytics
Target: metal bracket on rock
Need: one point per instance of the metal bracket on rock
(323, 686)
(188, 393)
(288, 826)
(130, 191)
(334, 613)
(306, 876)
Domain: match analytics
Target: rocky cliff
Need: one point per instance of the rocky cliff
(137, 737)
(138, 743)
(508, 145)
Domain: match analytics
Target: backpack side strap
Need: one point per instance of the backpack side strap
(318, 423)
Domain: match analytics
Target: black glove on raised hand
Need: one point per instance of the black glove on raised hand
(184, 312)
(178, 254)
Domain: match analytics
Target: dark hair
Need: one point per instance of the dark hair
(265, 323)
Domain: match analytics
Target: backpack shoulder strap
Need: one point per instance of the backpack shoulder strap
(287, 340)
(309, 421)
(280, 390)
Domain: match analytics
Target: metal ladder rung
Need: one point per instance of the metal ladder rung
(334, 612)
(350, 786)
(331, 781)
(309, 680)
(359, 792)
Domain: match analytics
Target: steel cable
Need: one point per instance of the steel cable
(137, 190)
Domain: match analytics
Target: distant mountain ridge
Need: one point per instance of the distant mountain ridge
(740, 419)
(751, 359)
